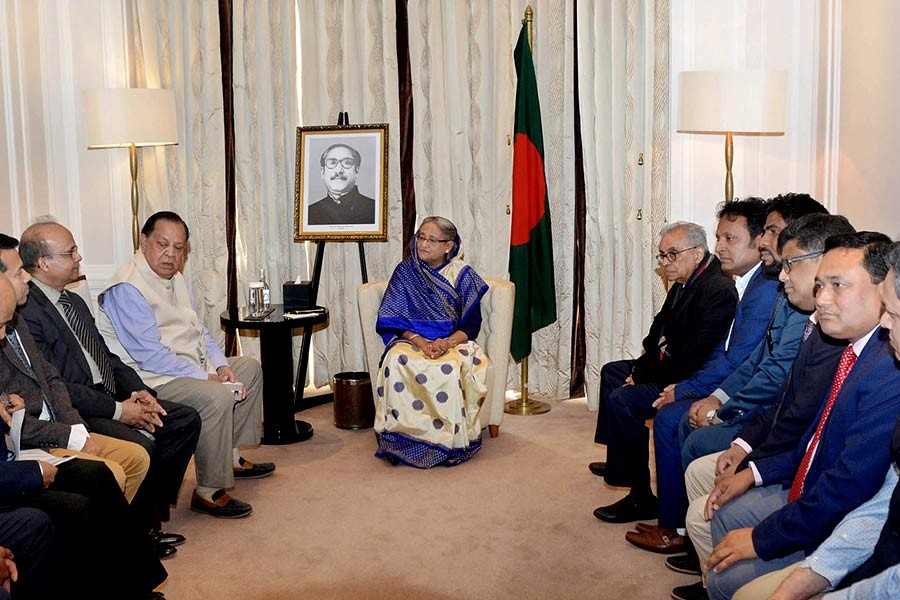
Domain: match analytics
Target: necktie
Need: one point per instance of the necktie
(12, 337)
(848, 358)
(808, 329)
(89, 343)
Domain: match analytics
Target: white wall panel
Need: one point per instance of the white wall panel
(49, 53)
(744, 34)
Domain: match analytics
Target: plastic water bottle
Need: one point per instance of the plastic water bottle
(265, 286)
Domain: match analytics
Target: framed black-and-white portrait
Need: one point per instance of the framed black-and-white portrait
(341, 183)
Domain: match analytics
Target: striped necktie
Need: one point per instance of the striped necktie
(89, 343)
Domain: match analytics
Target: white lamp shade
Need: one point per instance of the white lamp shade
(740, 102)
(117, 118)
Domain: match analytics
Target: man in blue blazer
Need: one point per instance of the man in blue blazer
(800, 495)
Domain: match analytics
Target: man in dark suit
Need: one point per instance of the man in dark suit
(695, 317)
(801, 494)
(343, 203)
(109, 395)
(50, 420)
(863, 552)
(101, 551)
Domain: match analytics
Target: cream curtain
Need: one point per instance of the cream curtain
(349, 63)
(265, 123)
(176, 46)
(623, 64)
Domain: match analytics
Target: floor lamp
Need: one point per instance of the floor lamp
(130, 118)
(733, 103)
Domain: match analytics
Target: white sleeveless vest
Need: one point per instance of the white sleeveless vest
(180, 327)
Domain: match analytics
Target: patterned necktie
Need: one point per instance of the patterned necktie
(89, 343)
(848, 358)
(808, 329)
(12, 338)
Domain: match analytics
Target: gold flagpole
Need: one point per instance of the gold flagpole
(525, 406)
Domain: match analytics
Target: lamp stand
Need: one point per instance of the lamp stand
(729, 158)
(133, 163)
(524, 406)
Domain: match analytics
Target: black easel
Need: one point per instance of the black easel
(343, 119)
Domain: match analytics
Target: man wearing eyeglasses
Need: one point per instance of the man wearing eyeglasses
(695, 317)
(343, 204)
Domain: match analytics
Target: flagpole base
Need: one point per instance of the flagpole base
(528, 407)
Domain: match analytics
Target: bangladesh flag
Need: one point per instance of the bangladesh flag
(530, 243)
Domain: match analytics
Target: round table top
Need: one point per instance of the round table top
(239, 318)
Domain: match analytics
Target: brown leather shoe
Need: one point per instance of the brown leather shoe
(661, 540)
(645, 526)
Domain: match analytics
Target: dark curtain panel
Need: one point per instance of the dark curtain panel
(226, 51)
(407, 189)
(576, 383)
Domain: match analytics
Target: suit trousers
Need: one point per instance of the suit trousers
(747, 510)
(621, 425)
(28, 532)
(705, 440)
(170, 450)
(103, 552)
(669, 470)
(128, 461)
(225, 425)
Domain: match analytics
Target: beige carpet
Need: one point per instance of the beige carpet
(335, 522)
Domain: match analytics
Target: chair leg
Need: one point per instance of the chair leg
(494, 430)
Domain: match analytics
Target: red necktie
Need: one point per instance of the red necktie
(848, 358)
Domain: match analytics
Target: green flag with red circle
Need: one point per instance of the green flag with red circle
(531, 241)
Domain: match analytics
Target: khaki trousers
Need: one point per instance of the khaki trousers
(700, 479)
(765, 585)
(127, 461)
(224, 424)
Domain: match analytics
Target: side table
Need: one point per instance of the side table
(276, 354)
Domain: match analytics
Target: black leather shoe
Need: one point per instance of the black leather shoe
(695, 591)
(164, 551)
(598, 468)
(156, 596)
(222, 506)
(628, 509)
(684, 563)
(249, 470)
(167, 537)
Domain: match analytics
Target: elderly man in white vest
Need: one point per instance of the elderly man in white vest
(148, 319)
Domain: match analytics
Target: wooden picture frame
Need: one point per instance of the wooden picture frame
(341, 183)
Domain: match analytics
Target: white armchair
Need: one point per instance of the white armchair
(496, 332)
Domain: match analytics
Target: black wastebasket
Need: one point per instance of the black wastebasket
(353, 404)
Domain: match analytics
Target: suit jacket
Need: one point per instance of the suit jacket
(16, 477)
(750, 320)
(15, 379)
(63, 350)
(780, 428)
(694, 319)
(850, 462)
(353, 209)
(754, 386)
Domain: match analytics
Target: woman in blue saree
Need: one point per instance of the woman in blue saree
(432, 380)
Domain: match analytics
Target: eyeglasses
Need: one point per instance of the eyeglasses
(788, 263)
(347, 163)
(71, 253)
(430, 240)
(672, 255)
